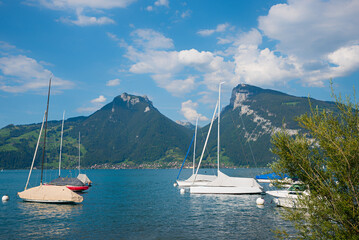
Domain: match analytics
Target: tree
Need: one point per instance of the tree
(325, 157)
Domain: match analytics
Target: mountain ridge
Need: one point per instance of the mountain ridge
(130, 131)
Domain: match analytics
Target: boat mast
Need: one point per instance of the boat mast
(79, 151)
(194, 147)
(37, 146)
(205, 143)
(62, 133)
(43, 150)
(219, 119)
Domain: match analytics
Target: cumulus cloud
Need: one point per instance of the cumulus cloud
(312, 28)
(164, 65)
(218, 29)
(83, 20)
(176, 87)
(100, 99)
(113, 82)
(188, 110)
(21, 74)
(150, 39)
(95, 4)
(79, 6)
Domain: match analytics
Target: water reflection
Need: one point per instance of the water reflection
(53, 218)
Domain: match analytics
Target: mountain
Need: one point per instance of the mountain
(251, 118)
(130, 132)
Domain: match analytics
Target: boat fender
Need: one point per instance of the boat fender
(5, 198)
(260, 201)
(182, 191)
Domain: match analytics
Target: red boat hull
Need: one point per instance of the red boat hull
(78, 188)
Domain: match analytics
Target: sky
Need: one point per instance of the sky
(176, 52)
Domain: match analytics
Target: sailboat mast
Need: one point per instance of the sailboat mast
(79, 151)
(43, 150)
(219, 119)
(194, 148)
(62, 133)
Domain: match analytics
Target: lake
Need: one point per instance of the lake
(137, 204)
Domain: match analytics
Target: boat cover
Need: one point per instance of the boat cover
(83, 178)
(226, 181)
(271, 176)
(63, 181)
(50, 194)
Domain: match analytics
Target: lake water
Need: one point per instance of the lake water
(137, 204)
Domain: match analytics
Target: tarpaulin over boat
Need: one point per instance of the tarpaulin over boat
(63, 181)
(83, 178)
(50, 194)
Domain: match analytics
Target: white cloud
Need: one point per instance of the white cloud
(218, 29)
(162, 3)
(165, 65)
(188, 110)
(312, 28)
(149, 8)
(114, 82)
(22, 74)
(83, 20)
(113, 36)
(175, 87)
(151, 39)
(100, 99)
(186, 14)
(95, 4)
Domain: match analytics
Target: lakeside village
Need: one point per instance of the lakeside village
(155, 165)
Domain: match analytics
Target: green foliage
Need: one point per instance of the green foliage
(326, 158)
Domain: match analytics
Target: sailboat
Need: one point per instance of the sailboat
(82, 177)
(200, 178)
(73, 184)
(224, 184)
(47, 193)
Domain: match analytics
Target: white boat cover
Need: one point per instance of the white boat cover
(224, 184)
(83, 178)
(50, 194)
(201, 179)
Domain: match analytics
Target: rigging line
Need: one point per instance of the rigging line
(37, 146)
(189, 148)
(43, 150)
(239, 138)
(205, 144)
(208, 153)
(250, 148)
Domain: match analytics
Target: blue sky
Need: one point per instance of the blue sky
(175, 52)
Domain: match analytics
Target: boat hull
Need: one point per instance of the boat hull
(225, 190)
(78, 188)
(288, 202)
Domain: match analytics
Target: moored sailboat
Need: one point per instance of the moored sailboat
(73, 184)
(47, 193)
(224, 184)
(194, 180)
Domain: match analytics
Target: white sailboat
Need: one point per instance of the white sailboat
(224, 184)
(201, 179)
(47, 193)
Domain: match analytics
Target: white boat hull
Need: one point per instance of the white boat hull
(287, 202)
(225, 190)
